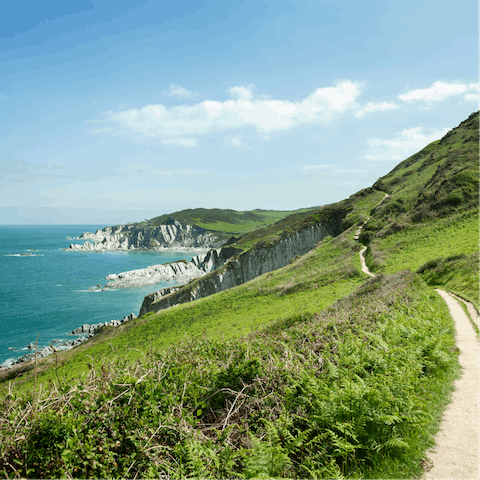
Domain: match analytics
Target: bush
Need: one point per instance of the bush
(454, 198)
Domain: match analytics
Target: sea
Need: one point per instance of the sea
(44, 290)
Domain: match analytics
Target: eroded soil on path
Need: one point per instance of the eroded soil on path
(456, 451)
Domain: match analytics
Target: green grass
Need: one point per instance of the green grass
(309, 284)
(414, 246)
(227, 221)
(456, 273)
(355, 391)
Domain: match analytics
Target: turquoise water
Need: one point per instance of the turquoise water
(46, 292)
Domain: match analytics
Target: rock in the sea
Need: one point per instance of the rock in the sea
(86, 328)
(175, 271)
(173, 235)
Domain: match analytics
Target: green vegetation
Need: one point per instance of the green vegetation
(309, 284)
(410, 229)
(347, 392)
(310, 371)
(348, 212)
(226, 221)
(457, 273)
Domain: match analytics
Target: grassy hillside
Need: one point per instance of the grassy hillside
(354, 390)
(310, 371)
(224, 220)
(431, 216)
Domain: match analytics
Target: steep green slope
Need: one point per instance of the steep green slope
(431, 216)
(352, 210)
(438, 181)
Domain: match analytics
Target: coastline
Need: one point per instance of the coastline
(44, 273)
(83, 333)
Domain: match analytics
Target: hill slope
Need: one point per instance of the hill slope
(309, 371)
(430, 221)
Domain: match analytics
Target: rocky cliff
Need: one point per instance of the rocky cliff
(247, 266)
(173, 235)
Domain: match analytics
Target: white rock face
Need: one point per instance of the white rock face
(179, 272)
(171, 236)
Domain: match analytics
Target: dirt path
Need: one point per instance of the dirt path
(356, 236)
(365, 269)
(456, 451)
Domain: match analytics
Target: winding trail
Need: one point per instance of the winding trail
(457, 450)
(365, 269)
(356, 236)
(362, 251)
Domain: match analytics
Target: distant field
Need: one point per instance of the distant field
(228, 221)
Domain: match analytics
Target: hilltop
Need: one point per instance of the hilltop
(311, 370)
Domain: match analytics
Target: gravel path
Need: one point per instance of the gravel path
(456, 451)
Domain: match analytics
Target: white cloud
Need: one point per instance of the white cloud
(235, 142)
(242, 92)
(322, 106)
(471, 97)
(404, 144)
(180, 141)
(376, 107)
(438, 92)
(179, 91)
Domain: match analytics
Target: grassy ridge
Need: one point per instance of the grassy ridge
(224, 220)
(437, 181)
(349, 392)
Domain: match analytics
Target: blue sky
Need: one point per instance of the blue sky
(117, 111)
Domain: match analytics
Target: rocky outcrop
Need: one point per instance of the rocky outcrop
(179, 272)
(173, 235)
(246, 266)
(91, 329)
(83, 333)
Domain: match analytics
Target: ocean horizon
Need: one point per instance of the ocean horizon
(44, 290)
